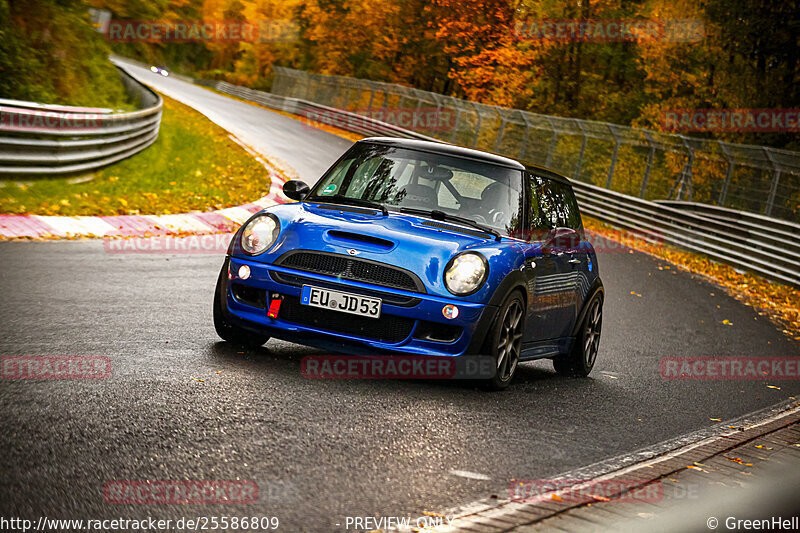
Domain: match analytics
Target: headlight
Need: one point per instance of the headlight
(465, 273)
(260, 233)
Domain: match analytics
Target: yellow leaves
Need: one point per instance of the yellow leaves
(737, 460)
(556, 497)
(727, 322)
(201, 380)
(716, 419)
(693, 467)
(636, 294)
(773, 387)
(762, 447)
(123, 201)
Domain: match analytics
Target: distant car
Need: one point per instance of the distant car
(417, 247)
(159, 70)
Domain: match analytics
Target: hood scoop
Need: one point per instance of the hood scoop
(348, 238)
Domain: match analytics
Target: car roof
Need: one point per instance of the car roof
(446, 149)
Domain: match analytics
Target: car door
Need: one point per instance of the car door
(570, 251)
(549, 271)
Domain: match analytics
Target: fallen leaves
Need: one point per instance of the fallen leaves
(773, 387)
(636, 294)
(727, 322)
(737, 460)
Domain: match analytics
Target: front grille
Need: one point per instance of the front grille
(346, 267)
(387, 328)
(298, 281)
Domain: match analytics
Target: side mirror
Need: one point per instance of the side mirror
(296, 189)
(561, 239)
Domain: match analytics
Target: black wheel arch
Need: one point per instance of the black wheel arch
(514, 281)
(594, 290)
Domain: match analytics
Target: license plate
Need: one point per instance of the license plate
(341, 301)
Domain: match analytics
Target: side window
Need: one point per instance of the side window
(540, 201)
(568, 214)
(553, 205)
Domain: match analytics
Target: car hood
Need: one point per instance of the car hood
(397, 239)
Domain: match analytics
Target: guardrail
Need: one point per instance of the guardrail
(650, 164)
(310, 110)
(51, 139)
(767, 246)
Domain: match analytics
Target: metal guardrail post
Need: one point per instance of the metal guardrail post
(773, 190)
(477, 126)
(723, 193)
(500, 132)
(684, 180)
(579, 165)
(650, 156)
(551, 148)
(614, 155)
(524, 148)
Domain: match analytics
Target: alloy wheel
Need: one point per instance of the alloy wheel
(510, 342)
(591, 336)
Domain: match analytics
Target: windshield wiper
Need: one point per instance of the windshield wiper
(441, 215)
(346, 200)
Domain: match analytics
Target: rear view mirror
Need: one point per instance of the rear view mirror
(296, 189)
(561, 239)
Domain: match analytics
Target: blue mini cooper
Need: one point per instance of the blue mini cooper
(420, 248)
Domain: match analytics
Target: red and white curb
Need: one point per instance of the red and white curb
(196, 223)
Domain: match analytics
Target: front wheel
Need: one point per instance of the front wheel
(505, 342)
(580, 360)
(225, 329)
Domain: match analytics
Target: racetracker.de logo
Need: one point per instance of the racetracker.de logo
(33, 120)
(179, 492)
(55, 366)
(731, 120)
(194, 31)
(730, 368)
(610, 30)
(396, 367)
(584, 490)
(189, 244)
(409, 118)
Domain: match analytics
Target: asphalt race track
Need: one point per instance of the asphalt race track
(322, 450)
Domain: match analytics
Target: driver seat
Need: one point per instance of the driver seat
(495, 199)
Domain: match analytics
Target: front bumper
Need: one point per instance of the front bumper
(410, 322)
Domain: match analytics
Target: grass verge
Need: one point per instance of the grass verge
(194, 165)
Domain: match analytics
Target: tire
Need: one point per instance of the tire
(504, 342)
(225, 329)
(581, 358)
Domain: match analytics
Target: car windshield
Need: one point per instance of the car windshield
(486, 194)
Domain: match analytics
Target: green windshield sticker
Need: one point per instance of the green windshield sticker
(329, 189)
